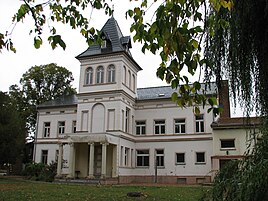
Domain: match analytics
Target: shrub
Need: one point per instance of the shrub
(40, 171)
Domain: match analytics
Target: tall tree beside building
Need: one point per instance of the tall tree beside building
(12, 131)
(39, 84)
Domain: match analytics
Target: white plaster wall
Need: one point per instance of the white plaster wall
(51, 152)
(170, 149)
(240, 137)
(54, 117)
(169, 111)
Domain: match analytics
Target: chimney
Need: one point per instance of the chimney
(224, 101)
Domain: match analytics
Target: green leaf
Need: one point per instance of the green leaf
(37, 42)
(174, 97)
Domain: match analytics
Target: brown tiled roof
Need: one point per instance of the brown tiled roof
(240, 122)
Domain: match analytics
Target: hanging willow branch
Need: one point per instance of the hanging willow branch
(236, 46)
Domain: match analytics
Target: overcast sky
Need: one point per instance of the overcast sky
(12, 66)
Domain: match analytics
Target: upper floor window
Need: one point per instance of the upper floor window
(159, 127)
(103, 44)
(127, 120)
(134, 82)
(46, 129)
(179, 125)
(89, 76)
(100, 75)
(125, 75)
(129, 79)
(111, 73)
(199, 123)
(74, 126)
(61, 127)
(228, 144)
(140, 127)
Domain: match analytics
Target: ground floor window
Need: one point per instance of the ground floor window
(180, 158)
(44, 156)
(200, 157)
(159, 157)
(142, 158)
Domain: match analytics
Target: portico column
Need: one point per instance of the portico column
(103, 160)
(59, 165)
(71, 161)
(91, 161)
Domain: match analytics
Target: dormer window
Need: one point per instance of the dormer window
(103, 44)
(100, 75)
(111, 73)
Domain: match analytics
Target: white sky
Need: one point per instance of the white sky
(13, 65)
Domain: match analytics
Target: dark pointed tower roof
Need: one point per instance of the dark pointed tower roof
(115, 41)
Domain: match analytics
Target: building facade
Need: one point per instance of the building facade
(117, 133)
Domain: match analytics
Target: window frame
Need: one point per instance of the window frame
(89, 76)
(180, 124)
(144, 156)
(74, 126)
(229, 147)
(200, 123)
(46, 132)
(100, 75)
(160, 156)
(196, 158)
(111, 73)
(159, 125)
(176, 158)
(140, 127)
(61, 128)
(44, 157)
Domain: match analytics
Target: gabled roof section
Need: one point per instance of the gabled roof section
(62, 101)
(115, 41)
(154, 93)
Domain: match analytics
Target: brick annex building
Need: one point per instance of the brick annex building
(116, 133)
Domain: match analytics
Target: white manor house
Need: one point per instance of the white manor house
(115, 133)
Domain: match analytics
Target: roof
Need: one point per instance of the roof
(66, 100)
(115, 41)
(238, 122)
(166, 91)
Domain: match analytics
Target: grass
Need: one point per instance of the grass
(19, 190)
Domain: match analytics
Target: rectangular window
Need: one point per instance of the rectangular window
(199, 123)
(179, 125)
(127, 120)
(122, 156)
(200, 157)
(159, 157)
(228, 143)
(46, 129)
(74, 126)
(56, 156)
(159, 127)
(61, 127)
(180, 158)
(142, 159)
(127, 150)
(140, 127)
(44, 156)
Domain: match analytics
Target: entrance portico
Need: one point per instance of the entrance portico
(91, 156)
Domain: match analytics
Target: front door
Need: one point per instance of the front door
(97, 161)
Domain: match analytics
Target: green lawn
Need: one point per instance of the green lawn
(19, 190)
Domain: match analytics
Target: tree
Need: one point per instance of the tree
(234, 34)
(40, 84)
(12, 131)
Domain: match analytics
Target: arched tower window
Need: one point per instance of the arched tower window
(125, 75)
(111, 73)
(129, 79)
(100, 75)
(89, 76)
